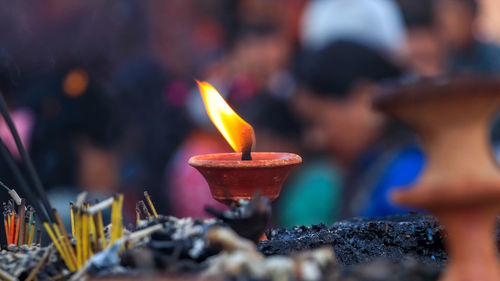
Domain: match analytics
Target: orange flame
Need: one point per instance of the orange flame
(237, 132)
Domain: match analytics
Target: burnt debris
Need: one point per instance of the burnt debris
(360, 241)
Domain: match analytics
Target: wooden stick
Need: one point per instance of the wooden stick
(148, 198)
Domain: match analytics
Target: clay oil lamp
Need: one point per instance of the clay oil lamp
(461, 181)
(239, 175)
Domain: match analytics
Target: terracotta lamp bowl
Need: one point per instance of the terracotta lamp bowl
(231, 179)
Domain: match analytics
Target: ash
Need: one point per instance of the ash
(180, 247)
(18, 262)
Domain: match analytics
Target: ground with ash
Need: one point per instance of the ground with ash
(392, 248)
(396, 248)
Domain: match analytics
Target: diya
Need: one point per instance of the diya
(239, 175)
(461, 181)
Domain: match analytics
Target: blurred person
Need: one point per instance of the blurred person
(150, 102)
(335, 102)
(74, 133)
(312, 193)
(259, 62)
(424, 52)
(376, 23)
(456, 20)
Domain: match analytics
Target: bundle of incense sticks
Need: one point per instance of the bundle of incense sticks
(19, 225)
(87, 229)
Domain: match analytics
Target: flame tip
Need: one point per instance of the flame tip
(237, 132)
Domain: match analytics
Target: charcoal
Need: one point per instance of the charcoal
(360, 241)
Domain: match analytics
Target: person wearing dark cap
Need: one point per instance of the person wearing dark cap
(335, 103)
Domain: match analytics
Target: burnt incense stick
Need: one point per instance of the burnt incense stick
(16, 234)
(144, 210)
(22, 223)
(24, 155)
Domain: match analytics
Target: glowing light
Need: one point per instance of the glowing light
(237, 132)
(75, 83)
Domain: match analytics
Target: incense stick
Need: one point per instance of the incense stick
(100, 226)
(71, 252)
(57, 244)
(146, 194)
(100, 206)
(72, 216)
(32, 234)
(24, 155)
(16, 234)
(21, 181)
(22, 223)
(12, 193)
(144, 209)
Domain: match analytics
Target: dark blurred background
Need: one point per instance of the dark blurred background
(104, 97)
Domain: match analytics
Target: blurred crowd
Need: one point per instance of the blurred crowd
(104, 97)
